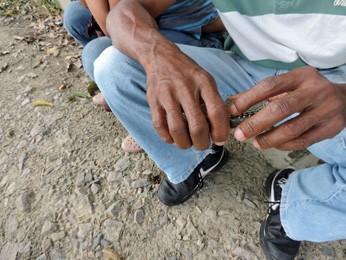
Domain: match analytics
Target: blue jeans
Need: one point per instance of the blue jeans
(77, 18)
(123, 83)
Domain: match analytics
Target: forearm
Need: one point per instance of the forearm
(83, 2)
(134, 31)
(100, 10)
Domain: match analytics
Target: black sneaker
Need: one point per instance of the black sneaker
(275, 244)
(173, 194)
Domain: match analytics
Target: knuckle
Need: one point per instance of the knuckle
(293, 130)
(264, 142)
(198, 129)
(250, 127)
(302, 143)
(280, 108)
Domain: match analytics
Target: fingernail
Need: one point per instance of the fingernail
(238, 134)
(220, 143)
(256, 145)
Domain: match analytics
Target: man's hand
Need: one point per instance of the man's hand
(320, 103)
(176, 84)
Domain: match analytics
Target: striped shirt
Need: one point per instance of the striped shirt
(285, 34)
(188, 16)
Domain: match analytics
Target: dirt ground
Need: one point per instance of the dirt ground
(67, 190)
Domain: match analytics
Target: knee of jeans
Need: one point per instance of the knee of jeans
(112, 71)
(72, 17)
(107, 67)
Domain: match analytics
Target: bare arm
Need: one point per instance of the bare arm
(321, 104)
(100, 10)
(175, 83)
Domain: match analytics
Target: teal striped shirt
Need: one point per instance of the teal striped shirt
(285, 34)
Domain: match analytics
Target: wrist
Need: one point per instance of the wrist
(156, 51)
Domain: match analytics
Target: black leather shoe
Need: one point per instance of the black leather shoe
(275, 244)
(173, 194)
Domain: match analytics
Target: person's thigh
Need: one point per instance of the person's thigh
(76, 20)
(91, 51)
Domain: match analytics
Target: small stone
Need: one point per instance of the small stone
(113, 229)
(96, 240)
(58, 236)
(140, 183)
(46, 244)
(328, 251)
(9, 251)
(24, 201)
(11, 226)
(84, 230)
(114, 176)
(56, 254)
(36, 130)
(48, 228)
(42, 257)
(122, 164)
(115, 208)
(11, 188)
(95, 188)
(25, 102)
(139, 216)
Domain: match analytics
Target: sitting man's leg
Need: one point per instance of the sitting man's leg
(123, 83)
(308, 204)
(77, 18)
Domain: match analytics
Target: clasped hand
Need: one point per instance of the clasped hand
(175, 85)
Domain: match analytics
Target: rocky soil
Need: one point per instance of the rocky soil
(67, 190)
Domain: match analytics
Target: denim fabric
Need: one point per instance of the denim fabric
(313, 201)
(76, 21)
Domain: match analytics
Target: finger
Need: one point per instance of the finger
(310, 137)
(270, 115)
(198, 126)
(217, 114)
(177, 126)
(287, 131)
(158, 116)
(265, 89)
(196, 120)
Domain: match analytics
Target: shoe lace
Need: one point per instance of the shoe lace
(200, 180)
(273, 205)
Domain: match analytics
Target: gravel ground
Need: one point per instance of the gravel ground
(67, 190)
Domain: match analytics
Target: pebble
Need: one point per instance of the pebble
(48, 228)
(25, 200)
(9, 251)
(139, 216)
(96, 240)
(95, 188)
(122, 164)
(112, 229)
(11, 188)
(46, 244)
(56, 254)
(25, 102)
(58, 236)
(140, 183)
(328, 251)
(115, 208)
(11, 226)
(84, 230)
